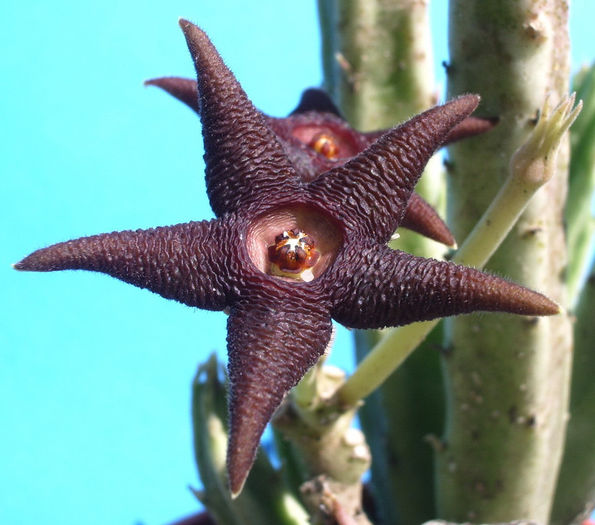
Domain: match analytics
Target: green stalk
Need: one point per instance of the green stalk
(575, 492)
(377, 59)
(378, 67)
(507, 376)
(579, 220)
(575, 495)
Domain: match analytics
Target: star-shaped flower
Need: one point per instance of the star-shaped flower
(287, 255)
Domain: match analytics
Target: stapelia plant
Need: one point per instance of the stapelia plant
(292, 248)
(305, 206)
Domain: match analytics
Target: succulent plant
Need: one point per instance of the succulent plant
(306, 209)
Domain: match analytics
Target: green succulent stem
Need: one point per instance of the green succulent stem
(575, 494)
(579, 219)
(507, 377)
(333, 456)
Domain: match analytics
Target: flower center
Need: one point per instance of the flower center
(325, 145)
(293, 243)
(293, 255)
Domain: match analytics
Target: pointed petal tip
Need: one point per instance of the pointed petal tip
(236, 489)
(448, 240)
(28, 264)
(244, 438)
(190, 30)
(443, 237)
(239, 465)
(183, 89)
(468, 102)
(184, 23)
(547, 307)
(43, 260)
(192, 33)
(533, 303)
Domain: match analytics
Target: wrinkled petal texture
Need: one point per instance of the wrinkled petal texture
(180, 262)
(244, 162)
(316, 111)
(397, 288)
(272, 342)
(367, 191)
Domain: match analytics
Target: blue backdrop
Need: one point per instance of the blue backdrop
(95, 374)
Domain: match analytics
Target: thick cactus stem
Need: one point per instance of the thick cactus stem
(507, 378)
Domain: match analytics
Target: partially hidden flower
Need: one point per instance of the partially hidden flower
(317, 138)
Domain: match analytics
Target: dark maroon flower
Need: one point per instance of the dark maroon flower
(286, 255)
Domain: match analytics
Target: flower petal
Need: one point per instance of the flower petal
(184, 89)
(420, 217)
(164, 260)
(469, 127)
(245, 164)
(314, 99)
(392, 288)
(272, 342)
(366, 192)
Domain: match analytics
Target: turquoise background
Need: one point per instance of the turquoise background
(95, 374)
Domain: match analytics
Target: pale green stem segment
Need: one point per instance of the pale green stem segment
(531, 167)
(575, 494)
(580, 224)
(507, 377)
(533, 164)
(264, 499)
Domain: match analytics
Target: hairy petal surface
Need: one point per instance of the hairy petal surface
(184, 89)
(393, 288)
(370, 192)
(420, 217)
(244, 162)
(468, 127)
(272, 342)
(180, 262)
